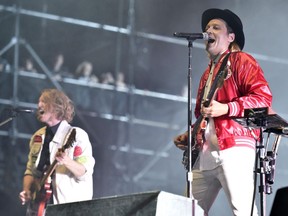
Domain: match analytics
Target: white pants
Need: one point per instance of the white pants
(234, 175)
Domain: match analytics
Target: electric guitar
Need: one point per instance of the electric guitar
(197, 134)
(42, 190)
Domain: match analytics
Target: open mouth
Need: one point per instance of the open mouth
(41, 111)
(211, 40)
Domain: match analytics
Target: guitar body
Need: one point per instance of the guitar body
(195, 155)
(40, 198)
(197, 141)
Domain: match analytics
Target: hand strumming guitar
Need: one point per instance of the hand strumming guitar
(181, 141)
(26, 195)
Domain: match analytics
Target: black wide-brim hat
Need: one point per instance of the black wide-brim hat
(230, 18)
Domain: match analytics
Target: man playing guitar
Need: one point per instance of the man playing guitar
(60, 162)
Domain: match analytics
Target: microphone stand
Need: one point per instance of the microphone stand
(267, 169)
(262, 187)
(189, 174)
(13, 115)
(261, 122)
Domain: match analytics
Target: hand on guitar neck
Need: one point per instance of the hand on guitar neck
(62, 157)
(215, 109)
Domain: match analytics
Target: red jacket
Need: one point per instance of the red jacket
(245, 87)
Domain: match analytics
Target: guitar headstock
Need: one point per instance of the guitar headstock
(70, 140)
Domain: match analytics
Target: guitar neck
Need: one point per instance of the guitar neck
(208, 100)
(197, 125)
(215, 86)
(49, 172)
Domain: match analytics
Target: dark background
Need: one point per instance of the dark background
(132, 130)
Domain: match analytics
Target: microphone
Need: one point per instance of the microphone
(279, 131)
(22, 110)
(192, 36)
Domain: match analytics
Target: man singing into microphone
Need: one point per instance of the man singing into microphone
(226, 149)
(58, 142)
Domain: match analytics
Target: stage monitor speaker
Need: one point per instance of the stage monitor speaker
(155, 203)
(280, 203)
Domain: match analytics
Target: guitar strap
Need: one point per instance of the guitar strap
(209, 80)
(224, 63)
